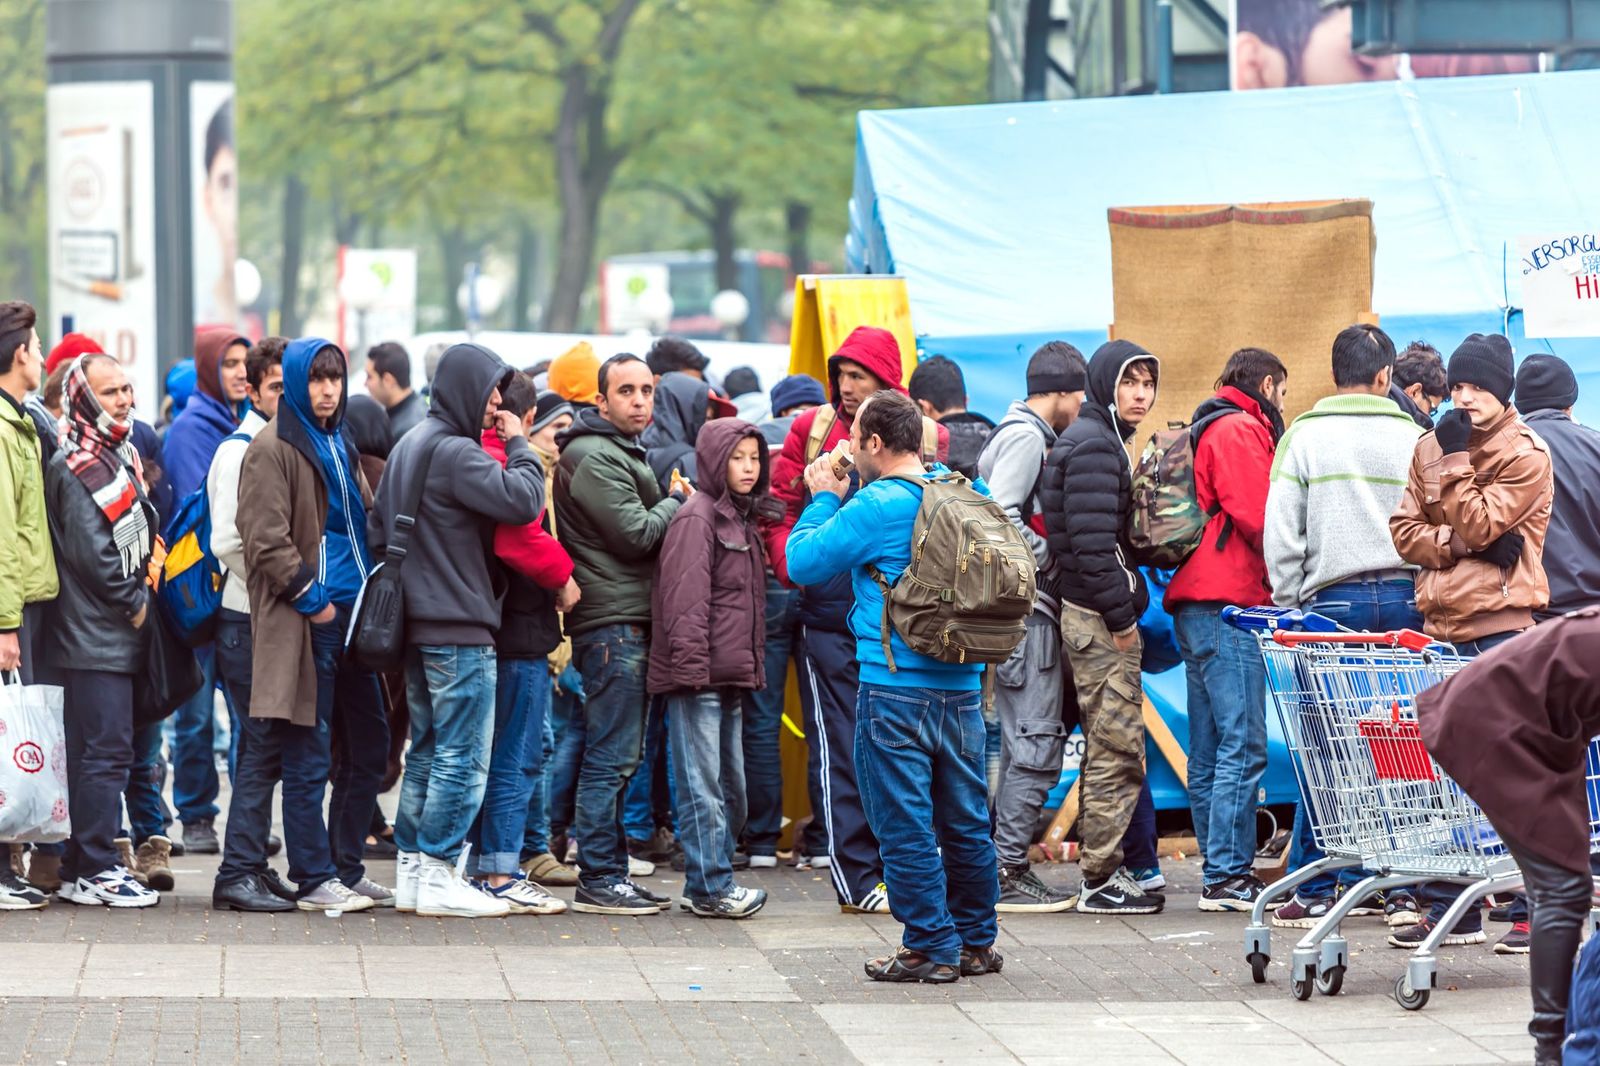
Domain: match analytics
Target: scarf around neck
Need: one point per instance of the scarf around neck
(100, 454)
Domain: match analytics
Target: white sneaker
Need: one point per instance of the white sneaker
(739, 902)
(112, 888)
(333, 896)
(640, 867)
(763, 862)
(407, 865)
(874, 902)
(442, 892)
(523, 897)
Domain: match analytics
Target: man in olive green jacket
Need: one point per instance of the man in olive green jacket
(27, 560)
(613, 519)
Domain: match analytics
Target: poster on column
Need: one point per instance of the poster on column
(100, 146)
(214, 202)
(1561, 283)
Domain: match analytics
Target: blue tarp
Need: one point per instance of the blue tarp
(996, 215)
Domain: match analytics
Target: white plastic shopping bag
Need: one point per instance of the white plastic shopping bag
(33, 763)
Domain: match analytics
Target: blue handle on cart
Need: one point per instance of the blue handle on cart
(1275, 618)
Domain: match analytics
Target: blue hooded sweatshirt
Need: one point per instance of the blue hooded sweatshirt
(343, 559)
(207, 419)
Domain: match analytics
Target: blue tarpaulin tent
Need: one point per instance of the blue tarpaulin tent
(996, 216)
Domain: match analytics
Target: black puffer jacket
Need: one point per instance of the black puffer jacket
(1085, 498)
(969, 432)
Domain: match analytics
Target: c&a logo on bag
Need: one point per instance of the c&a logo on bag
(29, 757)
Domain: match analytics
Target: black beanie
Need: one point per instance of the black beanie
(1057, 367)
(1545, 382)
(1484, 360)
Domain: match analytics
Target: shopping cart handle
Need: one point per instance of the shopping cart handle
(1409, 639)
(1278, 619)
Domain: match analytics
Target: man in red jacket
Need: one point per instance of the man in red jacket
(868, 360)
(1236, 432)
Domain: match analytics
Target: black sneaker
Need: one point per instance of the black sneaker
(1118, 894)
(1235, 894)
(1021, 892)
(661, 902)
(1413, 935)
(200, 837)
(618, 898)
(17, 894)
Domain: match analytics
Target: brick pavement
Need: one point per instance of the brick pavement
(183, 984)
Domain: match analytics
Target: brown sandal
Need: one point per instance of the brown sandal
(975, 962)
(906, 965)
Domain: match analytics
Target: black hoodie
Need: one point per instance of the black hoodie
(1084, 496)
(453, 590)
(680, 413)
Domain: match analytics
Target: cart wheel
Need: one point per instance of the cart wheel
(1301, 986)
(1329, 981)
(1408, 997)
(1258, 966)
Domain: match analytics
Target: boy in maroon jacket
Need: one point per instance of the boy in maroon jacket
(707, 641)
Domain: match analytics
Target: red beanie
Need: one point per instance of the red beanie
(71, 346)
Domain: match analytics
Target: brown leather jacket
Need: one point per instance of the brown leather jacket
(1458, 504)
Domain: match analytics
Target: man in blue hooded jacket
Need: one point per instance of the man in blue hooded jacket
(302, 518)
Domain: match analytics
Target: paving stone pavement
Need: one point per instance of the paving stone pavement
(181, 983)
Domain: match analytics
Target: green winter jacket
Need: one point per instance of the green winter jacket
(27, 561)
(612, 519)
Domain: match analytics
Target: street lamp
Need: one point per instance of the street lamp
(361, 291)
(246, 282)
(731, 309)
(655, 306)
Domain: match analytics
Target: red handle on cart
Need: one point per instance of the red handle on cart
(1409, 639)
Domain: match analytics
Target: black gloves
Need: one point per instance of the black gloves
(1504, 552)
(1453, 430)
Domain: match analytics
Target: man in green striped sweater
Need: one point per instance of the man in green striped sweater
(1337, 476)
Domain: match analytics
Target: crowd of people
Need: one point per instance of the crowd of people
(608, 573)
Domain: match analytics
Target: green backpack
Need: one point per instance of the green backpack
(967, 594)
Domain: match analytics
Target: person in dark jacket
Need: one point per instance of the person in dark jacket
(706, 656)
(1513, 730)
(680, 410)
(941, 392)
(104, 532)
(1237, 430)
(1545, 394)
(452, 605)
(1086, 499)
(613, 517)
(1419, 384)
(389, 383)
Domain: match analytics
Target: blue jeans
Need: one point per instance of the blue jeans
(648, 802)
(708, 763)
(1371, 605)
(919, 756)
(1227, 738)
(536, 827)
(148, 814)
(612, 660)
(522, 698)
(451, 692)
(561, 770)
(763, 723)
(194, 761)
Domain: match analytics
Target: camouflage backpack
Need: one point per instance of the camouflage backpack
(1165, 520)
(968, 591)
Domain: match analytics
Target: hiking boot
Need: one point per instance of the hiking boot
(612, 898)
(112, 888)
(378, 894)
(1414, 935)
(1400, 909)
(153, 862)
(18, 895)
(200, 837)
(1235, 894)
(738, 902)
(1118, 894)
(546, 869)
(1149, 878)
(333, 896)
(1517, 941)
(1301, 914)
(407, 869)
(124, 846)
(874, 902)
(1021, 892)
(523, 897)
(44, 872)
(443, 892)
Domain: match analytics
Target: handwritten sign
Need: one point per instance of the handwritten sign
(1561, 284)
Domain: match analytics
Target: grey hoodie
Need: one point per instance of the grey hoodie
(453, 592)
(1011, 464)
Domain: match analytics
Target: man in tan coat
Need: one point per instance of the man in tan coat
(1473, 517)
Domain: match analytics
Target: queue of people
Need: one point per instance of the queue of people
(608, 574)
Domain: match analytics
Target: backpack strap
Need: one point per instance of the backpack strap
(821, 426)
(1195, 430)
(888, 652)
(930, 440)
(406, 520)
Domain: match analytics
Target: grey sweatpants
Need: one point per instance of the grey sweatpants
(1027, 697)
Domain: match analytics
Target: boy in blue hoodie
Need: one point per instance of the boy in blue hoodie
(919, 742)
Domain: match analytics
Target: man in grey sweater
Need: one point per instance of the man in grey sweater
(1033, 681)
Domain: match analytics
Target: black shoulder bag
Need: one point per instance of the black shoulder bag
(377, 637)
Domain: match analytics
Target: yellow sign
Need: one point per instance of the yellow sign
(828, 306)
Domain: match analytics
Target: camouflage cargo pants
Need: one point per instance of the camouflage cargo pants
(1110, 702)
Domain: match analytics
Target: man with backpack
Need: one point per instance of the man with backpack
(1086, 494)
(940, 391)
(919, 737)
(868, 361)
(1233, 435)
(1031, 685)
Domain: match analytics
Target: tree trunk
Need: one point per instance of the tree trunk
(725, 237)
(797, 224)
(453, 243)
(527, 269)
(294, 237)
